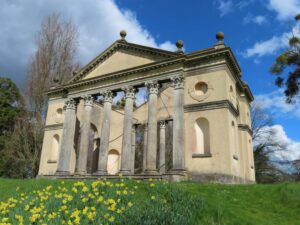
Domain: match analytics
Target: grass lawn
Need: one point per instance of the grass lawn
(146, 202)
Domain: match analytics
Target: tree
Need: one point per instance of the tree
(265, 146)
(18, 153)
(21, 153)
(11, 107)
(289, 61)
(11, 104)
(53, 62)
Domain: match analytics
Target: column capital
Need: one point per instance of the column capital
(70, 104)
(162, 124)
(108, 95)
(152, 87)
(178, 81)
(88, 100)
(129, 92)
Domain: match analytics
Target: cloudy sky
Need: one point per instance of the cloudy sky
(256, 30)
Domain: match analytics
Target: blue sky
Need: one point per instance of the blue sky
(256, 30)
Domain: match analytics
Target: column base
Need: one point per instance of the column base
(176, 175)
(100, 172)
(62, 173)
(151, 172)
(81, 173)
(126, 172)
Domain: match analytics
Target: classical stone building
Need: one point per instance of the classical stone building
(194, 125)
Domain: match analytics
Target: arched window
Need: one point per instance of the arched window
(202, 137)
(54, 148)
(113, 161)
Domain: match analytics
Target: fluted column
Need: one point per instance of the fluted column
(152, 128)
(162, 147)
(178, 124)
(105, 132)
(126, 157)
(67, 139)
(133, 148)
(145, 146)
(81, 167)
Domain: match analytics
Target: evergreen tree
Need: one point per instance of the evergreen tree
(289, 62)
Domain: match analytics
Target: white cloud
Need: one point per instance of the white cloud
(285, 9)
(276, 104)
(291, 148)
(225, 7)
(271, 46)
(259, 20)
(99, 24)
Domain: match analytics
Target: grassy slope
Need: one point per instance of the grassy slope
(222, 204)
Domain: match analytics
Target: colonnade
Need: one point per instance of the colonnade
(128, 141)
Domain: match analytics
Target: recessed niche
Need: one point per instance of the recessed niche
(200, 88)
(59, 113)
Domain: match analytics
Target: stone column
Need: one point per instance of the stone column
(145, 146)
(162, 147)
(67, 139)
(126, 156)
(105, 132)
(152, 128)
(133, 148)
(81, 167)
(178, 125)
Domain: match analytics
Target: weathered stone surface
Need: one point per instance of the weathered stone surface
(162, 147)
(152, 128)
(178, 124)
(67, 143)
(81, 167)
(126, 158)
(105, 132)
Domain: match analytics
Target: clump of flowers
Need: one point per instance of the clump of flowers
(97, 202)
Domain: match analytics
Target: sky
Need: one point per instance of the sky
(256, 30)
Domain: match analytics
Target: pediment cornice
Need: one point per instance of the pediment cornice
(123, 46)
(182, 60)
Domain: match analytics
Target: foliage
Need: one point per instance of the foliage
(11, 105)
(186, 202)
(289, 61)
(21, 154)
(264, 147)
(100, 202)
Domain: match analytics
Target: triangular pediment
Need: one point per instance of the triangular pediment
(121, 56)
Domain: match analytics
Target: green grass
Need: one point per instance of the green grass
(184, 203)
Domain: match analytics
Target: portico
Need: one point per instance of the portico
(128, 137)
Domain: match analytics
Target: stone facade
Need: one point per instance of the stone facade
(195, 124)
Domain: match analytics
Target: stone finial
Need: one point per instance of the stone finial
(220, 38)
(123, 35)
(179, 45)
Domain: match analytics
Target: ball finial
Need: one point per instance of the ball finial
(220, 36)
(123, 34)
(179, 44)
